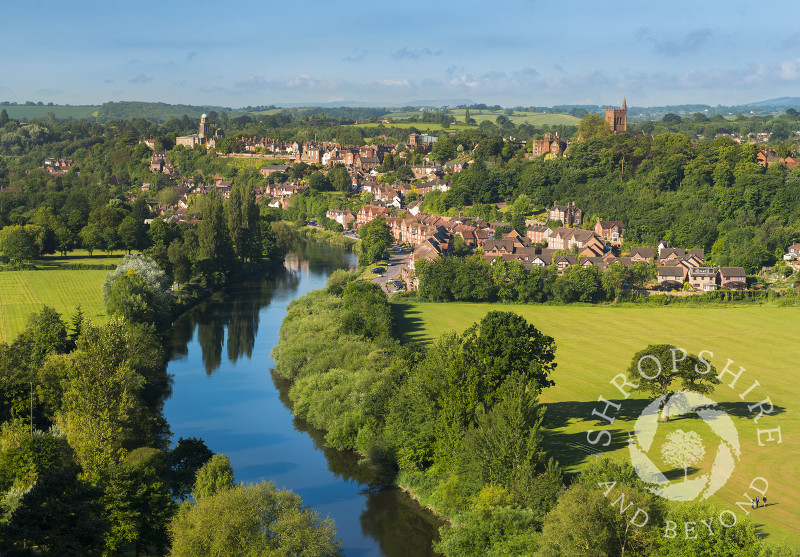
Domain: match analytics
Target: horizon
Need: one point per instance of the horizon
(529, 54)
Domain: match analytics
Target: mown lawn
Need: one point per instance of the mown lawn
(25, 292)
(595, 343)
(79, 257)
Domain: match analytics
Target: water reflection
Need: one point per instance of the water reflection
(220, 355)
(234, 310)
(390, 517)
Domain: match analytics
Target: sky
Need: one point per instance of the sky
(513, 52)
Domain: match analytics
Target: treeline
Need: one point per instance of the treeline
(86, 463)
(459, 423)
(475, 279)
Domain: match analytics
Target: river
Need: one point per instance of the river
(223, 392)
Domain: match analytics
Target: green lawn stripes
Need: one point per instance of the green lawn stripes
(596, 343)
(25, 292)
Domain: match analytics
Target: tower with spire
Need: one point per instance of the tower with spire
(617, 117)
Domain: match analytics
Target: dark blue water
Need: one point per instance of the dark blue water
(224, 393)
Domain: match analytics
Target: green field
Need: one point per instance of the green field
(25, 292)
(21, 112)
(533, 118)
(595, 343)
(78, 257)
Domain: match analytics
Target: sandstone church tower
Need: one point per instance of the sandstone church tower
(617, 118)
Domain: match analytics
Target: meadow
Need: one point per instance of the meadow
(25, 292)
(533, 118)
(595, 343)
(22, 112)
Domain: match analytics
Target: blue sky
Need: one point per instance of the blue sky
(516, 52)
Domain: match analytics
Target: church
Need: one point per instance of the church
(617, 118)
(203, 137)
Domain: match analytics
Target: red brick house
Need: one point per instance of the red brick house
(610, 231)
(733, 278)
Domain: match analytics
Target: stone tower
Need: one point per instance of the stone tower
(617, 118)
(204, 128)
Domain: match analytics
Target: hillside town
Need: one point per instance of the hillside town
(562, 239)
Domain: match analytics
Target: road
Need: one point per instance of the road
(395, 264)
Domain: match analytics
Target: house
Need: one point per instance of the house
(426, 170)
(368, 213)
(549, 145)
(733, 278)
(702, 279)
(567, 214)
(270, 168)
(538, 233)
(455, 166)
(610, 231)
(792, 252)
(342, 217)
(671, 277)
(564, 261)
(642, 255)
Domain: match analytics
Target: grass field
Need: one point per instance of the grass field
(31, 112)
(78, 257)
(596, 343)
(25, 292)
(533, 118)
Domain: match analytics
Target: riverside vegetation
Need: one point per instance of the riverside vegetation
(459, 423)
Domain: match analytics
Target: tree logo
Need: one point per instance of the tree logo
(684, 449)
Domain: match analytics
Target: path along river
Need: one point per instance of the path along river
(223, 392)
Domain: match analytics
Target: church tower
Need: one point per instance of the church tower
(617, 118)
(204, 129)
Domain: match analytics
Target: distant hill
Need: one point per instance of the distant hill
(362, 104)
(781, 102)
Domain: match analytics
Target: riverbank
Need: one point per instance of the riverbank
(220, 393)
(328, 236)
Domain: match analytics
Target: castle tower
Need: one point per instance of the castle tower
(204, 129)
(617, 118)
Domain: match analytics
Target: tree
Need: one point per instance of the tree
(683, 449)
(252, 520)
(154, 278)
(4, 117)
(131, 234)
(130, 297)
(17, 243)
(404, 173)
(183, 462)
(102, 410)
(593, 125)
(214, 476)
(91, 237)
(376, 238)
(167, 197)
(138, 507)
(339, 177)
(243, 222)
(518, 223)
(614, 280)
(61, 515)
(655, 368)
(181, 265)
(319, 182)
(585, 523)
(212, 232)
